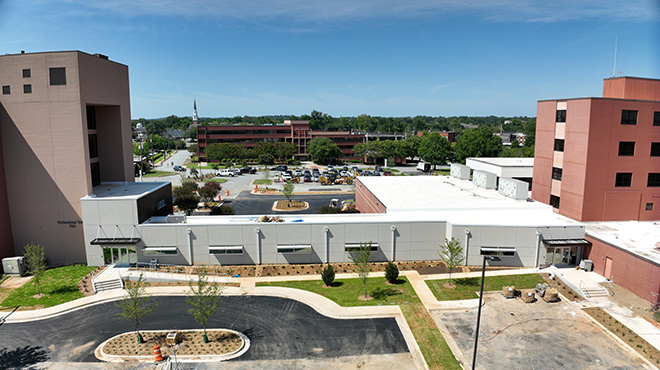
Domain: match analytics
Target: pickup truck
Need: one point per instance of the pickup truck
(226, 172)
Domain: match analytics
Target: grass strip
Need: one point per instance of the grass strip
(59, 285)
(345, 293)
(155, 173)
(262, 182)
(467, 288)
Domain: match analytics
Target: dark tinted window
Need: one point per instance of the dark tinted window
(654, 180)
(554, 201)
(27, 73)
(27, 89)
(6, 90)
(96, 173)
(628, 117)
(559, 145)
(91, 117)
(556, 173)
(623, 179)
(655, 149)
(93, 146)
(656, 118)
(561, 115)
(58, 76)
(626, 148)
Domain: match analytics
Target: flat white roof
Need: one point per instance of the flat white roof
(458, 201)
(640, 238)
(130, 190)
(505, 162)
(503, 167)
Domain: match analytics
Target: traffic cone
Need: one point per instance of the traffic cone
(158, 357)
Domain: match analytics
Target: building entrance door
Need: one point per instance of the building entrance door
(563, 255)
(608, 268)
(119, 256)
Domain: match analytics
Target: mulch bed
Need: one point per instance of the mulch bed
(190, 343)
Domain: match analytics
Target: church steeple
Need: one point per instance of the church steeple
(195, 118)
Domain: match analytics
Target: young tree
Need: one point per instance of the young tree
(136, 305)
(209, 191)
(35, 260)
(451, 254)
(287, 191)
(204, 297)
(328, 275)
(185, 196)
(391, 272)
(361, 257)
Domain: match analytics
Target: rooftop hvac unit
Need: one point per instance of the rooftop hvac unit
(14, 266)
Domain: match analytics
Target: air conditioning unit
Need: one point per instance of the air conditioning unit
(14, 266)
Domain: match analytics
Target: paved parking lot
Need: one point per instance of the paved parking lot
(516, 335)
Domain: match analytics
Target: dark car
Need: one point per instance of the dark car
(249, 170)
(179, 169)
(308, 178)
(280, 168)
(387, 173)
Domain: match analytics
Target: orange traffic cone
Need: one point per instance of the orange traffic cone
(157, 355)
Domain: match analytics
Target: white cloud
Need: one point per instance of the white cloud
(294, 13)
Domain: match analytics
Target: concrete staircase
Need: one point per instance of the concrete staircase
(101, 286)
(594, 291)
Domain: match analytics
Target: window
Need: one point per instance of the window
(497, 251)
(654, 180)
(554, 201)
(623, 179)
(626, 148)
(656, 118)
(6, 90)
(354, 247)
(96, 173)
(655, 149)
(58, 76)
(93, 146)
(556, 173)
(628, 117)
(225, 249)
(294, 249)
(160, 251)
(161, 203)
(561, 115)
(27, 73)
(27, 89)
(559, 145)
(649, 206)
(91, 117)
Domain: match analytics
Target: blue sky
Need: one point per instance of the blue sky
(347, 57)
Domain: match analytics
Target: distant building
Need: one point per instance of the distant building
(296, 132)
(450, 136)
(65, 128)
(598, 159)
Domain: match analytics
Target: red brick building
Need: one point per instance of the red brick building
(296, 132)
(598, 159)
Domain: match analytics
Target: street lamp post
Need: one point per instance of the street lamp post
(481, 293)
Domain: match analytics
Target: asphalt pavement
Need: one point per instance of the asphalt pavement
(252, 204)
(278, 328)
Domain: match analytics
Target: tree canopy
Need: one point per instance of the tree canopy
(323, 150)
(434, 149)
(477, 142)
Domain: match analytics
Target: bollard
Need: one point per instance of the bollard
(157, 355)
(227, 194)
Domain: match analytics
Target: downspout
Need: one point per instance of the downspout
(467, 245)
(190, 245)
(327, 244)
(393, 228)
(257, 231)
(538, 247)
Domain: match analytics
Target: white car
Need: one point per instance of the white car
(286, 176)
(226, 172)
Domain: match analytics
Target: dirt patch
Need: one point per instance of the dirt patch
(15, 282)
(625, 298)
(85, 284)
(290, 206)
(190, 343)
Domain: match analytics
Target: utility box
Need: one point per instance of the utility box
(14, 266)
(588, 265)
(459, 171)
(484, 179)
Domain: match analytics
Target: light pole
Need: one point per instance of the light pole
(481, 293)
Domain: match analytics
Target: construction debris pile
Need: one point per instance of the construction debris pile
(548, 294)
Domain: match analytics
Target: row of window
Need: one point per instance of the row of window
(626, 148)
(238, 249)
(554, 202)
(57, 77)
(624, 180)
(628, 117)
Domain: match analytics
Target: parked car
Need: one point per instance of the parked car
(306, 172)
(226, 172)
(387, 173)
(249, 170)
(308, 178)
(280, 168)
(379, 168)
(316, 176)
(286, 176)
(376, 173)
(179, 169)
(237, 171)
(366, 173)
(297, 173)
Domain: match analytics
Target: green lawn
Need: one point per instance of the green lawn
(219, 181)
(59, 285)
(467, 288)
(154, 173)
(346, 291)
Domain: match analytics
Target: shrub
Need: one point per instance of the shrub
(222, 210)
(327, 210)
(391, 272)
(328, 275)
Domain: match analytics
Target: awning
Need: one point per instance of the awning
(226, 248)
(160, 249)
(565, 242)
(115, 241)
(496, 249)
(358, 245)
